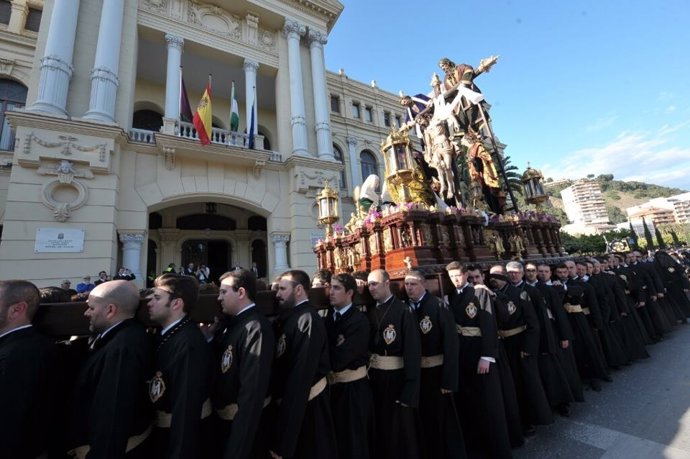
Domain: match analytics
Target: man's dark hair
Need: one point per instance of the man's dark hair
(242, 278)
(457, 265)
(16, 291)
(324, 275)
(298, 277)
(361, 275)
(348, 282)
(179, 286)
(561, 266)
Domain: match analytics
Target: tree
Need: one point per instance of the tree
(648, 235)
(615, 214)
(633, 237)
(659, 238)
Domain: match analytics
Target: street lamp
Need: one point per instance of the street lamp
(327, 200)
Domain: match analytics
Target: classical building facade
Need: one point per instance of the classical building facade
(98, 170)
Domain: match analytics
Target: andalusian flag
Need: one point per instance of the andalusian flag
(203, 116)
(234, 111)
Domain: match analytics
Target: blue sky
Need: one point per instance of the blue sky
(581, 87)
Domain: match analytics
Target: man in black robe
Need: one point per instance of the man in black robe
(179, 383)
(110, 408)
(244, 347)
(351, 400)
(303, 426)
(590, 363)
(27, 374)
(518, 328)
(441, 434)
(394, 371)
(562, 331)
(552, 373)
(479, 398)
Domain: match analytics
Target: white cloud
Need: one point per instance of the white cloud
(671, 109)
(641, 156)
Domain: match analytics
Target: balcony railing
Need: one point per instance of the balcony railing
(218, 137)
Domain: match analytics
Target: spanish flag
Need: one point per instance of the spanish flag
(203, 116)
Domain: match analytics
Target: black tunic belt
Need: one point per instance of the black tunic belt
(572, 308)
(468, 331)
(512, 332)
(164, 419)
(348, 375)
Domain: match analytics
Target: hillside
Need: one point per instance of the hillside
(618, 194)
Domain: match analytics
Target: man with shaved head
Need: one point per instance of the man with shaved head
(27, 374)
(110, 408)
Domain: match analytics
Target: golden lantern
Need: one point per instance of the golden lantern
(404, 177)
(534, 189)
(327, 200)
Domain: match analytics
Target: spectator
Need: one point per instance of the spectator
(125, 274)
(202, 274)
(67, 285)
(102, 277)
(170, 269)
(85, 286)
(189, 270)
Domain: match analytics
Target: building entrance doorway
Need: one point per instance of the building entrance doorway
(214, 253)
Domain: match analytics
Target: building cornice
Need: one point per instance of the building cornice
(328, 10)
(41, 120)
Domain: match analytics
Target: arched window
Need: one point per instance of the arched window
(148, 120)
(368, 161)
(12, 95)
(338, 155)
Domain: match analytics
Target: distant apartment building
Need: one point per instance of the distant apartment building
(661, 211)
(585, 207)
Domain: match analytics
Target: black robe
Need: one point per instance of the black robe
(553, 376)
(28, 371)
(303, 428)
(393, 332)
(441, 434)
(610, 340)
(110, 402)
(179, 387)
(352, 402)
(516, 310)
(479, 399)
(242, 369)
(590, 362)
(562, 332)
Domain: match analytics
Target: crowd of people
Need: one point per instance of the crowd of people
(375, 375)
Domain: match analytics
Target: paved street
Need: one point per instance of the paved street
(644, 413)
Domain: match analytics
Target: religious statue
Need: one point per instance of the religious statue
(485, 185)
(495, 243)
(517, 245)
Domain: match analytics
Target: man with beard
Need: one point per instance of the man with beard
(351, 399)
(394, 371)
(303, 424)
(440, 427)
(244, 354)
(110, 411)
(479, 399)
(28, 372)
(518, 328)
(178, 387)
(590, 363)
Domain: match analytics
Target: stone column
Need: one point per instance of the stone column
(20, 10)
(250, 67)
(131, 254)
(355, 167)
(280, 241)
(324, 145)
(104, 80)
(175, 45)
(56, 63)
(292, 31)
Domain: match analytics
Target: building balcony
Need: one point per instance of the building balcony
(219, 137)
